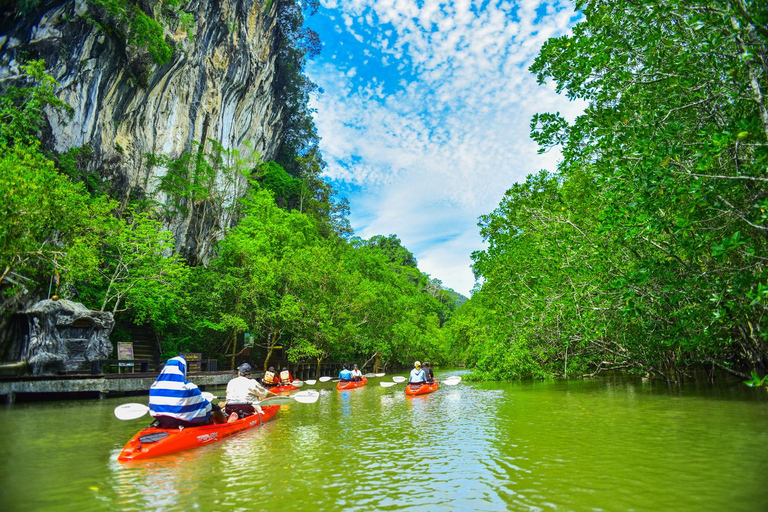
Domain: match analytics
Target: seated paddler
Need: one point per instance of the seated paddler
(175, 402)
(269, 378)
(243, 393)
(345, 374)
(417, 375)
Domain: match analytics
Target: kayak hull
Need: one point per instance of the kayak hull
(352, 384)
(283, 389)
(154, 442)
(421, 389)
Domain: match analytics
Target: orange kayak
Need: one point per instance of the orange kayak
(153, 442)
(420, 389)
(283, 389)
(351, 384)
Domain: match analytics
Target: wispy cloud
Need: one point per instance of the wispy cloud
(431, 131)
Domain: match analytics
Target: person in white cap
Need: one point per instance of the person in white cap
(417, 374)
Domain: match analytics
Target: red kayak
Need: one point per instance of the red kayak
(421, 389)
(351, 384)
(153, 442)
(283, 389)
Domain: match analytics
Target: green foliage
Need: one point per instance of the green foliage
(134, 270)
(756, 381)
(22, 108)
(295, 44)
(284, 187)
(53, 230)
(278, 279)
(74, 164)
(644, 252)
(201, 188)
(393, 250)
(279, 263)
(141, 29)
(43, 215)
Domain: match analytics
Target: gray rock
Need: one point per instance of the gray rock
(65, 336)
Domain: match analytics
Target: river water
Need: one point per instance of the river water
(570, 445)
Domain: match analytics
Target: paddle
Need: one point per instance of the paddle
(297, 383)
(133, 410)
(397, 379)
(372, 375)
(324, 379)
(130, 411)
(303, 397)
(311, 382)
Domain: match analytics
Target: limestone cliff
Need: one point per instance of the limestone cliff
(219, 84)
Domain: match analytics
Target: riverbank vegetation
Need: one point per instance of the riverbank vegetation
(646, 251)
(286, 274)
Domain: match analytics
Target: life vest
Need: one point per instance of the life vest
(269, 378)
(285, 376)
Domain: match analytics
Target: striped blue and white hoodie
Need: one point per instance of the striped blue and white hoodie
(172, 395)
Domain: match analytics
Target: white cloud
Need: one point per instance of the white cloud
(441, 148)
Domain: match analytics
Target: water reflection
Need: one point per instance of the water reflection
(476, 446)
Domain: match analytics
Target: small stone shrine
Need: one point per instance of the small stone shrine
(65, 336)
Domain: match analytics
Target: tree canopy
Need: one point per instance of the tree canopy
(647, 249)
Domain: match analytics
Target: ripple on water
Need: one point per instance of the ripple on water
(475, 446)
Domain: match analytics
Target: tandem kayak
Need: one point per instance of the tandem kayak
(421, 389)
(153, 442)
(351, 384)
(283, 389)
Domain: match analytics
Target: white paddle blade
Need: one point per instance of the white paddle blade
(387, 384)
(452, 381)
(298, 383)
(130, 411)
(369, 375)
(380, 374)
(324, 379)
(208, 396)
(398, 379)
(311, 382)
(309, 396)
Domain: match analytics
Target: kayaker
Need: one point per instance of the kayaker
(285, 377)
(270, 379)
(417, 375)
(175, 402)
(428, 372)
(242, 391)
(356, 373)
(345, 374)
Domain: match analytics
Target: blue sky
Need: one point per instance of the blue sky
(424, 115)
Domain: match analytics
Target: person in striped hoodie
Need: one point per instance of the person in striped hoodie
(175, 402)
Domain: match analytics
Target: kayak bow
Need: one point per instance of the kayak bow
(421, 389)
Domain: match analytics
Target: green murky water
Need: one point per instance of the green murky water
(576, 445)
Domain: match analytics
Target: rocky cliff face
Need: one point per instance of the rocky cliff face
(218, 85)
